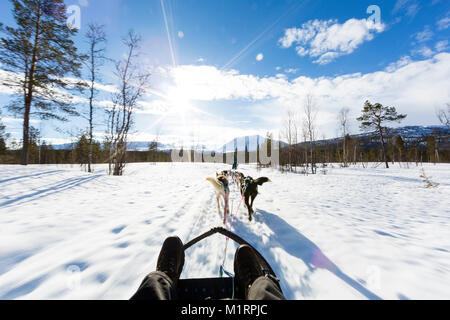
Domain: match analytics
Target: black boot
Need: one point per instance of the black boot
(246, 268)
(171, 258)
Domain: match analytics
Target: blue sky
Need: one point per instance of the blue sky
(231, 68)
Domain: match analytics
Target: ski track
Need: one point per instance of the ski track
(351, 234)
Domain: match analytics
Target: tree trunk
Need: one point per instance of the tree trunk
(29, 94)
(436, 150)
(91, 107)
(383, 147)
(26, 134)
(344, 153)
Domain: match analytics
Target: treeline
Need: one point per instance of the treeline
(378, 145)
(433, 149)
(406, 151)
(79, 153)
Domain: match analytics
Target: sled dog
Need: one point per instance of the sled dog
(221, 189)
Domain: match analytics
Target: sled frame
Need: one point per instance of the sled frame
(216, 288)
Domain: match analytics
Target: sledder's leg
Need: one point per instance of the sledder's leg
(251, 280)
(156, 286)
(265, 288)
(161, 284)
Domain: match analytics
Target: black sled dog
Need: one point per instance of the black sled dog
(249, 191)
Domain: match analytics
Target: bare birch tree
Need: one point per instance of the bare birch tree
(343, 119)
(96, 39)
(290, 133)
(310, 110)
(132, 83)
(444, 115)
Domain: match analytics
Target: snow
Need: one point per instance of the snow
(353, 233)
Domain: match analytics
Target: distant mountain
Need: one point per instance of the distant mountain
(143, 146)
(132, 146)
(407, 133)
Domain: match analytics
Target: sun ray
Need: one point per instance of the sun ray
(172, 53)
(241, 53)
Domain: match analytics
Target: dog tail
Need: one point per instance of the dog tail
(262, 180)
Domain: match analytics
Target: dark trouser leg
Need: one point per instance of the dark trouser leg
(156, 286)
(265, 288)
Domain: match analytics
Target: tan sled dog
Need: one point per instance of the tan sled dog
(220, 184)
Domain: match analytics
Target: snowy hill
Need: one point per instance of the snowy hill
(351, 234)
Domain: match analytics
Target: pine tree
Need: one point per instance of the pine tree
(153, 150)
(82, 151)
(431, 145)
(374, 116)
(39, 55)
(3, 137)
(34, 145)
(400, 145)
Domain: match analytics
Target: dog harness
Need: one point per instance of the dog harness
(247, 181)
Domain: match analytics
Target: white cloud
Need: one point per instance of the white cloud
(405, 60)
(443, 23)
(441, 45)
(410, 7)
(424, 35)
(424, 51)
(83, 3)
(17, 120)
(413, 87)
(207, 83)
(291, 70)
(327, 40)
(259, 57)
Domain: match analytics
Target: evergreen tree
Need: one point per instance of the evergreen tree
(374, 116)
(82, 150)
(431, 149)
(400, 146)
(3, 137)
(246, 153)
(34, 145)
(39, 55)
(153, 150)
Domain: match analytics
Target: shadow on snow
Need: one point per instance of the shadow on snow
(296, 244)
(55, 188)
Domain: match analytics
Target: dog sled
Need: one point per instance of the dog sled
(219, 288)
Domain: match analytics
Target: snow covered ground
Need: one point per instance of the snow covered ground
(353, 233)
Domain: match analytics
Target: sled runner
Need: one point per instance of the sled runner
(216, 288)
